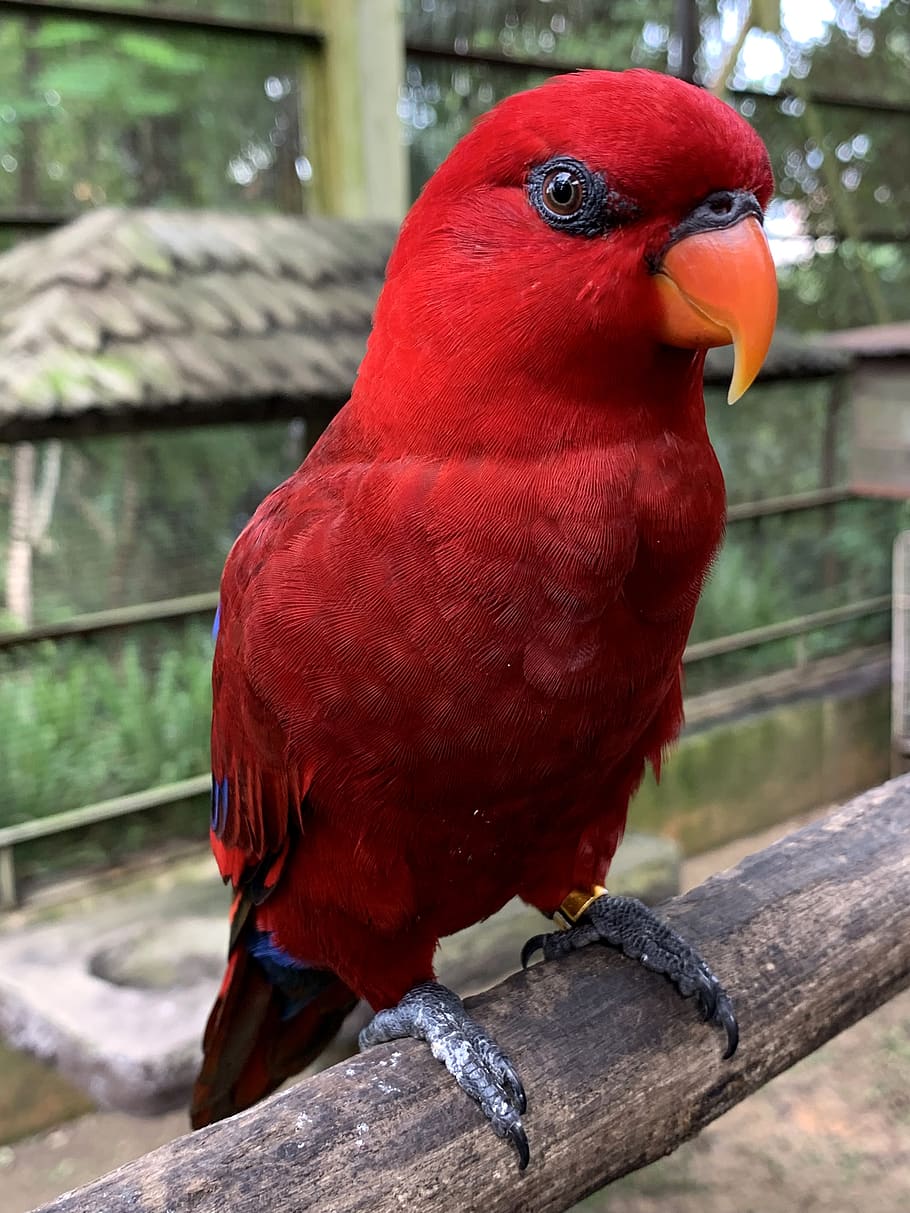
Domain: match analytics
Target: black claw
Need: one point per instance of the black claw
(510, 1082)
(706, 996)
(725, 1017)
(519, 1139)
(716, 1008)
(535, 944)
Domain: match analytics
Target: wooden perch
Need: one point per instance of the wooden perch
(809, 936)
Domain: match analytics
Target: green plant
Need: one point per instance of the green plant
(85, 722)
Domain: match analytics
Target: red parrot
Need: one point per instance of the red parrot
(449, 644)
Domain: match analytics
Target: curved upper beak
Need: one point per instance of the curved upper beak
(716, 284)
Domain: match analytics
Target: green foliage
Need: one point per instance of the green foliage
(84, 722)
(248, 10)
(53, 35)
(136, 519)
(93, 113)
(161, 54)
(88, 79)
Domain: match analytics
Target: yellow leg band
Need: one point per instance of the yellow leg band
(575, 905)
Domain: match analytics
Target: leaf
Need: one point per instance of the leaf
(30, 107)
(88, 78)
(54, 34)
(149, 104)
(158, 52)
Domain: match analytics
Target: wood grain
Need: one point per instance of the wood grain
(809, 935)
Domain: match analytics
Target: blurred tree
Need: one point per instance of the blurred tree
(442, 96)
(838, 142)
(95, 113)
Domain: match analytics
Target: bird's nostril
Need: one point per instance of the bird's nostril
(721, 209)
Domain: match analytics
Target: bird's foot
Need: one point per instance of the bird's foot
(433, 1013)
(628, 925)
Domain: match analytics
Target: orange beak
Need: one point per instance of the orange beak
(718, 287)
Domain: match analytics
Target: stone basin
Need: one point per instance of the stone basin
(116, 990)
(174, 955)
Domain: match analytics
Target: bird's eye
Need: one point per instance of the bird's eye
(563, 192)
(572, 198)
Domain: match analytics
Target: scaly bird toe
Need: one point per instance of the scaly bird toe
(433, 1013)
(629, 926)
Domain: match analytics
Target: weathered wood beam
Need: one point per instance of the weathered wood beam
(810, 935)
(350, 108)
(122, 14)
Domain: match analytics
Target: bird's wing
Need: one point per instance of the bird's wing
(257, 794)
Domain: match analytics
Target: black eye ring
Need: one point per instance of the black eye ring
(571, 198)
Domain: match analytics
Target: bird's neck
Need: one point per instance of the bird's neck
(498, 405)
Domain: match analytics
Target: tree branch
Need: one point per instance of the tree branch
(809, 935)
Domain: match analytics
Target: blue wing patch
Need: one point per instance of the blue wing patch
(269, 952)
(298, 982)
(216, 623)
(219, 805)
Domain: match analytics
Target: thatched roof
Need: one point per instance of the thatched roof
(127, 319)
(150, 317)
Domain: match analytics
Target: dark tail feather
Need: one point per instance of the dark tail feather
(260, 1033)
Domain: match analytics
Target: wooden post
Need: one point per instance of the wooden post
(8, 897)
(350, 118)
(828, 475)
(900, 656)
(689, 35)
(809, 935)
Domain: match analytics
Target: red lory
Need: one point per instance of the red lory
(449, 644)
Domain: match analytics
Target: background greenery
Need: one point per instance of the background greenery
(96, 113)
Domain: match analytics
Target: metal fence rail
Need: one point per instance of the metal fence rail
(77, 819)
(116, 619)
(120, 14)
(786, 629)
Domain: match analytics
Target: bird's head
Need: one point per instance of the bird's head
(604, 226)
